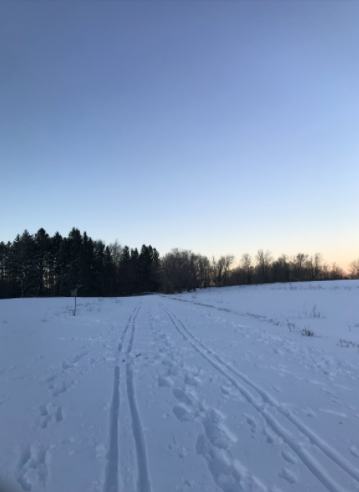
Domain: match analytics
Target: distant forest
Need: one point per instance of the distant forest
(43, 266)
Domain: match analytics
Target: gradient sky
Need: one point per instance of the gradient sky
(217, 126)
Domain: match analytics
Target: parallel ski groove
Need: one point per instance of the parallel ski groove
(111, 474)
(111, 481)
(120, 343)
(143, 480)
(314, 438)
(312, 464)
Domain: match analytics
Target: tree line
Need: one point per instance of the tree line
(39, 265)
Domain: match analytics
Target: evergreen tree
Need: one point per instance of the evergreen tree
(24, 266)
(6, 284)
(42, 256)
(87, 267)
(55, 264)
(124, 272)
(109, 274)
(134, 282)
(148, 269)
(99, 256)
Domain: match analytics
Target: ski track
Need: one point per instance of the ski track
(215, 441)
(128, 324)
(266, 399)
(111, 480)
(144, 484)
(310, 356)
(111, 476)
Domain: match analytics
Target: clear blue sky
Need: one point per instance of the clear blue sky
(218, 126)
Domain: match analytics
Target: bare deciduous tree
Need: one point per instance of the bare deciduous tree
(313, 267)
(336, 272)
(354, 269)
(247, 267)
(263, 261)
(298, 263)
(228, 261)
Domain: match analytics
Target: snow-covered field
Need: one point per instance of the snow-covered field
(218, 390)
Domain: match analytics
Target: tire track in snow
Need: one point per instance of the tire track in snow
(310, 461)
(111, 476)
(143, 480)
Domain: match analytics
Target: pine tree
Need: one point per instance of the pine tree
(133, 272)
(24, 266)
(124, 272)
(55, 264)
(99, 255)
(42, 254)
(109, 274)
(87, 266)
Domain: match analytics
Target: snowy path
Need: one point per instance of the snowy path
(260, 403)
(151, 394)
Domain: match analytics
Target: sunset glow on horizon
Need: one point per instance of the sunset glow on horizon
(220, 127)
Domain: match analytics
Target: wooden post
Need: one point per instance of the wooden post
(74, 294)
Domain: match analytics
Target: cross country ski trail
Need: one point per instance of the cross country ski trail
(153, 395)
(124, 376)
(270, 409)
(215, 439)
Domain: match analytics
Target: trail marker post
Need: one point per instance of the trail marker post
(74, 294)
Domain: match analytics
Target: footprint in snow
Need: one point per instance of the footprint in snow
(354, 451)
(192, 380)
(277, 389)
(289, 457)
(61, 388)
(309, 412)
(32, 467)
(270, 436)
(50, 413)
(164, 381)
(50, 382)
(182, 396)
(252, 423)
(288, 475)
(183, 412)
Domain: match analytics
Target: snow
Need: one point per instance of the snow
(216, 390)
